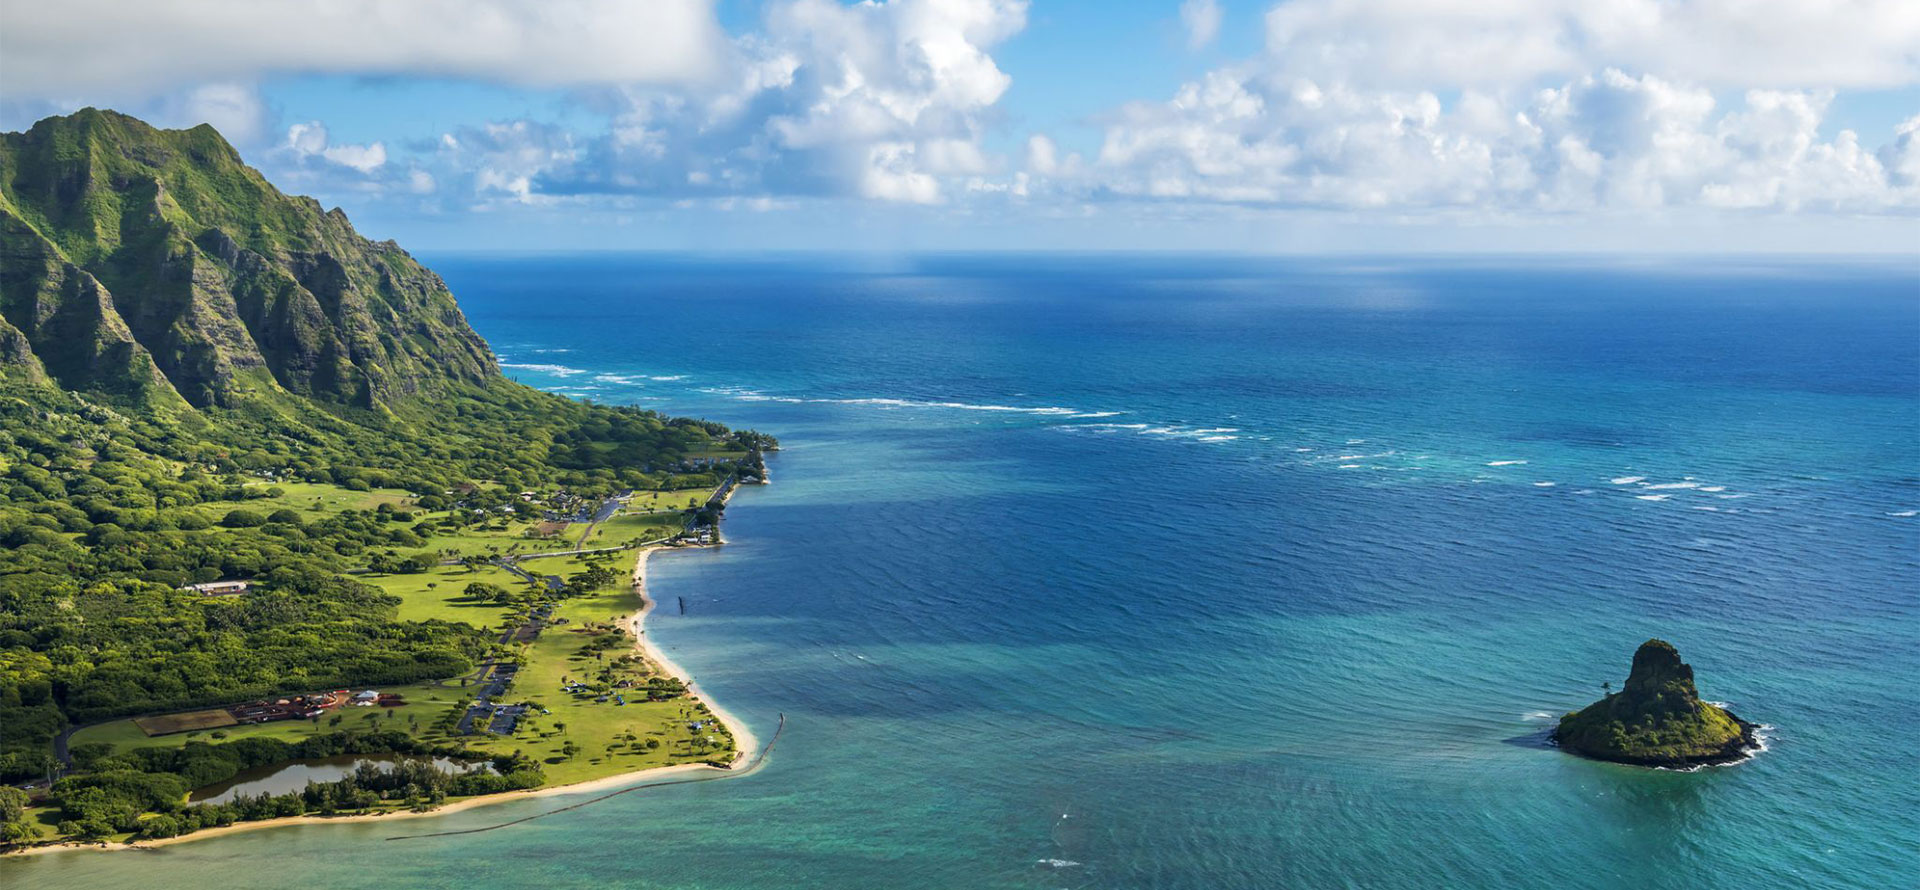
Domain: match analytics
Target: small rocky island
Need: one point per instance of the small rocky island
(1657, 720)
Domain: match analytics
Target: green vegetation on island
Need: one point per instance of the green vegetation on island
(247, 454)
(1657, 719)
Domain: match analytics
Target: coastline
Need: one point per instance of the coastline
(744, 742)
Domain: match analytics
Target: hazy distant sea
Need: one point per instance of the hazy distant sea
(1232, 573)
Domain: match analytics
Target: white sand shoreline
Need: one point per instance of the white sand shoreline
(744, 743)
(745, 746)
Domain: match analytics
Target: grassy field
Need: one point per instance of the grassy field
(625, 528)
(600, 729)
(440, 593)
(609, 739)
(644, 501)
(310, 499)
(474, 541)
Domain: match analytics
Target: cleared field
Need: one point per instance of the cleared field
(717, 454)
(170, 723)
(425, 703)
(311, 500)
(441, 594)
(318, 498)
(567, 565)
(600, 729)
(644, 501)
(627, 528)
(473, 541)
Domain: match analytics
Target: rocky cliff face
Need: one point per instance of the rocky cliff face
(1657, 719)
(154, 266)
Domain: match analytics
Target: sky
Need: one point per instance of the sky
(1204, 125)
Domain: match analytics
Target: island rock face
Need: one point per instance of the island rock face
(1657, 720)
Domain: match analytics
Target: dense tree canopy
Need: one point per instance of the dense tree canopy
(106, 515)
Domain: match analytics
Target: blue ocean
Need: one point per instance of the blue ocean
(1228, 572)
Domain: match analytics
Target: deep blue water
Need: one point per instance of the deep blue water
(1235, 573)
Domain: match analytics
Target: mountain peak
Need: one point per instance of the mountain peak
(148, 265)
(1659, 676)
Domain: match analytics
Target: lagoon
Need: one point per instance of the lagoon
(286, 778)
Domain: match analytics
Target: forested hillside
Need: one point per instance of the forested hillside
(178, 338)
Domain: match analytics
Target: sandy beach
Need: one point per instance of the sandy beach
(744, 742)
(745, 745)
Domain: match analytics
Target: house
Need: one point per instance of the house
(219, 588)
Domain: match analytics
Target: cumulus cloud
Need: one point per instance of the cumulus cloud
(1901, 158)
(1501, 106)
(1434, 44)
(309, 140)
(1201, 18)
(1605, 141)
(58, 50)
(500, 161)
(307, 159)
(885, 100)
(1549, 106)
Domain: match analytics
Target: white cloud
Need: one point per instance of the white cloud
(1201, 18)
(309, 140)
(1611, 141)
(1508, 107)
(1043, 157)
(233, 109)
(900, 84)
(1436, 44)
(58, 50)
(886, 100)
(1344, 110)
(1902, 156)
(502, 161)
(890, 175)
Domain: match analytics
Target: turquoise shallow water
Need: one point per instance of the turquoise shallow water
(1090, 572)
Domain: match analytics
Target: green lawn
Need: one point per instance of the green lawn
(310, 499)
(440, 593)
(625, 528)
(485, 542)
(595, 725)
(643, 501)
(601, 730)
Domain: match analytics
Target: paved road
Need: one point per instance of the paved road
(608, 507)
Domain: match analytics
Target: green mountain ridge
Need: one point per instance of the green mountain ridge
(154, 268)
(177, 339)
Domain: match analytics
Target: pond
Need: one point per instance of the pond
(293, 775)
